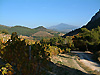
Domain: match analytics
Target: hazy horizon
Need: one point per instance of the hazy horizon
(34, 13)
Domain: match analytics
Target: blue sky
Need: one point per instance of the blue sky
(33, 13)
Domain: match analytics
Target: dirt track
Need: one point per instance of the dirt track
(69, 61)
(86, 59)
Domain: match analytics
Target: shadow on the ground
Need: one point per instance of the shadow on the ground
(58, 69)
(65, 57)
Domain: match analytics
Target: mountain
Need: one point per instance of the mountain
(93, 23)
(39, 32)
(62, 27)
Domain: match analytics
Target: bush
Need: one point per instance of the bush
(97, 56)
(68, 50)
(53, 50)
(5, 31)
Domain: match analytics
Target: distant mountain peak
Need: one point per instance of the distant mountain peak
(62, 27)
(61, 23)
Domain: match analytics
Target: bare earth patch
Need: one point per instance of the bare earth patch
(86, 59)
(67, 60)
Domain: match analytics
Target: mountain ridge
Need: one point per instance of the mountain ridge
(25, 31)
(93, 23)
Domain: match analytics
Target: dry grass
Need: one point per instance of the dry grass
(43, 34)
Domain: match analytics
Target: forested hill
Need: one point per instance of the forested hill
(93, 23)
(25, 31)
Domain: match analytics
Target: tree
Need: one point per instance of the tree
(14, 36)
(5, 31)
(89, 39)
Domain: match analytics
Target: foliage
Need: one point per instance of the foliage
(5, 31)
(53, 50)
(62, 45)
(7, 69)
(1, 45)
(0, 30)
(97, 56)
(88, 40)
(16, 52)
(68, 50)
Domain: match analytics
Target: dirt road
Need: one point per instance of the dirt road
(86, 59)
(68, 60)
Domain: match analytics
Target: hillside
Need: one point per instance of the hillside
(4, 27)
(93, 23)
(39, 32)
(62, 27)
(42, 33)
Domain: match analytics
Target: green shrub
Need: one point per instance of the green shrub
(68, 50)
(53, 50)
(5, 31)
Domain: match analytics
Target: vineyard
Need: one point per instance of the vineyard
(16, 53)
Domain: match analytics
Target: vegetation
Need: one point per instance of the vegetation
(35, 33)
(16, 53)
(59, 44)
(89, 39)
(4, 31)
